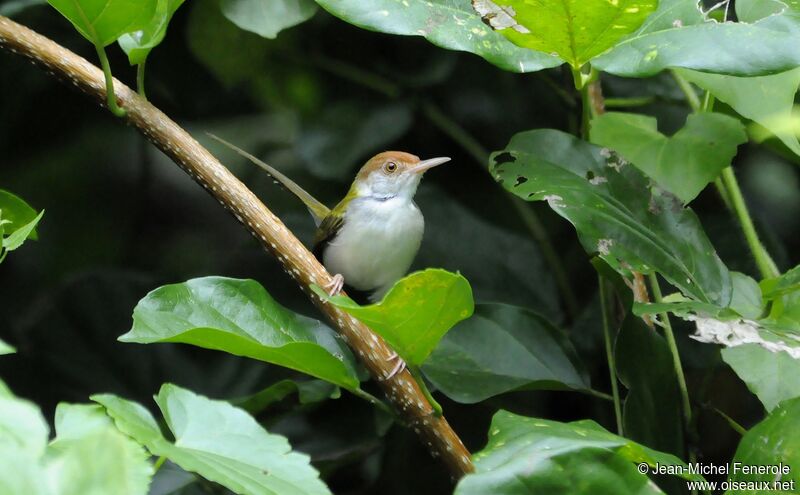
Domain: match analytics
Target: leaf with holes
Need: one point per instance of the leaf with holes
(453, 25)
(241, 318)
(218, 441)
(103, 21)
(416, 312)
(684, 163)
(616, 211)
(575, 30)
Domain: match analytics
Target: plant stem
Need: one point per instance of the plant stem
(529, 217)
(673, 349)
(688, 90)
(140, 79)
(417, 374)
(764, 261)
(741, 430)
(612, 367)
(637, 101)
(362, 394)
(159, 462)
(111, 98)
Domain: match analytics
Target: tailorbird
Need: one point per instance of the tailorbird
(370, 238)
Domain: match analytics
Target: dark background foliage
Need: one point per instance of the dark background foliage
(316, 102)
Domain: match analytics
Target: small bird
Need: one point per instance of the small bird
(370, 238)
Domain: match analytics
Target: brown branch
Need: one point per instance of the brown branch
(297, 261)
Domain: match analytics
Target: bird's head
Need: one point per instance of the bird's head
(393, 173)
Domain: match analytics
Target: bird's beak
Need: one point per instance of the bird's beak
(424, 165)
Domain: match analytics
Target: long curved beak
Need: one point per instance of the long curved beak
(424, 165)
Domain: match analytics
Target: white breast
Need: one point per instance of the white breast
(377, 243)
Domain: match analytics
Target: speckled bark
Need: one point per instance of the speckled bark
(233, 195)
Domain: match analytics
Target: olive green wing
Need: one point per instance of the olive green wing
(326, 232)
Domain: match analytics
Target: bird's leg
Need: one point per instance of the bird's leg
(335, 285)
(398, 367)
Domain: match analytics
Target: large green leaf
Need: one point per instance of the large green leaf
(450, 24)
(653, 397)
(233, 55)
(240, 317)
(5, 348)
(575, 30)
(535, 355)
(680, 38)
(416, 312)
(103, 21)
(684, 163)
(772, 443)
(89, 456)
(22, 427)
(772, 376)
(217, 441)
(267, 18)
(138, 45)
(615, 210)
(767, 100)
(530, 455)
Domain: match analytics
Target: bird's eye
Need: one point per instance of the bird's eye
(390, 167)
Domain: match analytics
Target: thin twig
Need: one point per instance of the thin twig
(402, 390)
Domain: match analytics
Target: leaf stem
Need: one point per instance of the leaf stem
(612, 367)
(111, 98)
(636, 101)
(766, 265)
(140, 79)
(363, 394)
(415, 372)
(159, 462)
(688, 91)
(673, 349)
(741, 430)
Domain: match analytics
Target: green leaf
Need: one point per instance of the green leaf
(217, 441)
(653, 396)
(6, 349)
(137, 45)
(575, 30)
(416, 312)
(449, 24)
(18, 237)
(231, 54)
(766, 100)
(739, 49)
(16, 211)
(241, 318)
(90, 456)
(684, 163)
(535, 355)
(530, 455)
(103, 21)
(308, 392)
(772, 442)
(22, 428)
(347, 133)
(617, 214)
(267, 18)
(772, 376)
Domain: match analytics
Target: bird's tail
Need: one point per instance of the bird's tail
(318, 210)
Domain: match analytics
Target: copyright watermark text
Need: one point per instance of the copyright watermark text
(775, 472)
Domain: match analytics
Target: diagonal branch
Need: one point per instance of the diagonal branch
(402, 390)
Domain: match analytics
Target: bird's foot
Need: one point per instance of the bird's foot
(335, 285)
(398, 367)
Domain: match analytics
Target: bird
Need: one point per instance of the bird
(371, 237)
